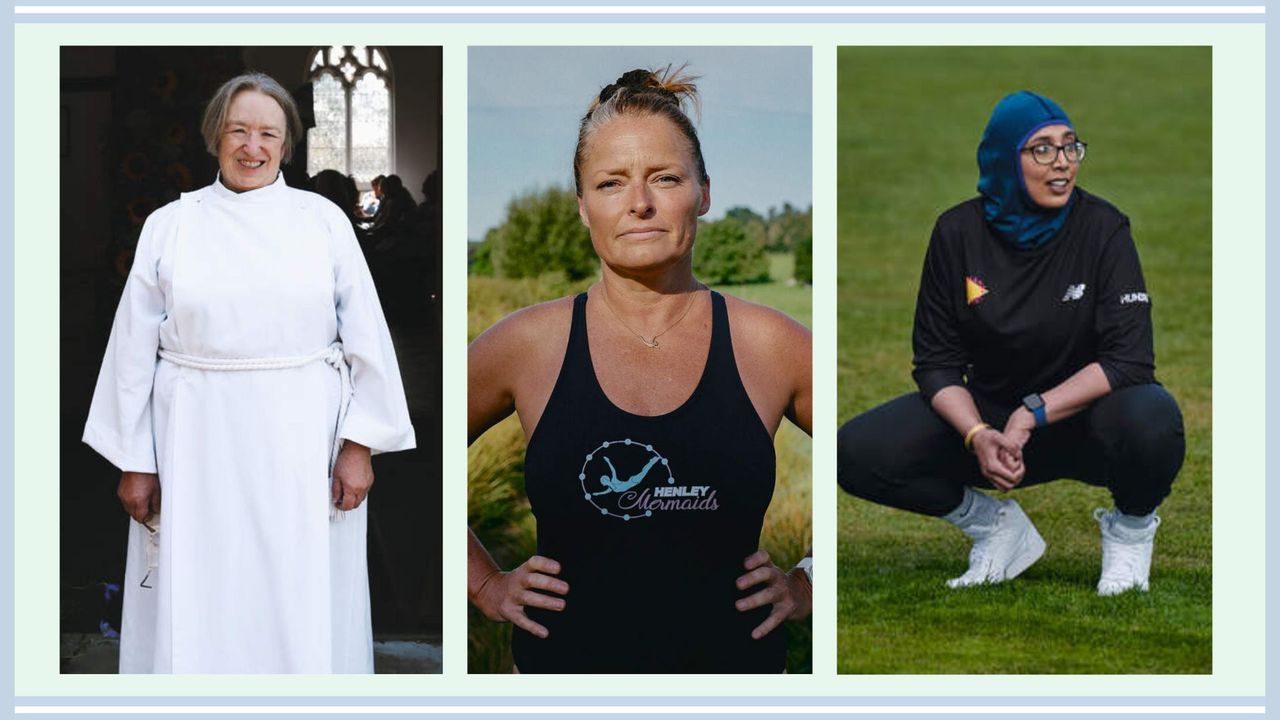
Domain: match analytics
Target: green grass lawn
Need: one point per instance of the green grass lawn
(499, 512)
(780, 293)
(909, 124)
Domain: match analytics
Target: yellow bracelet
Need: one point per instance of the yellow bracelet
(973, 432)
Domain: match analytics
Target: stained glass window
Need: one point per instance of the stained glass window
(352, 103)
(327, 141)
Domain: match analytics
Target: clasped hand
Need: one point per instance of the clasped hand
(504, 595)
(999, 453)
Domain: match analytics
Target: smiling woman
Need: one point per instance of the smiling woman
(1050, 161)
(248, 378)
(1034, 361)
(649, 404)
(252, 142)
(251, 132)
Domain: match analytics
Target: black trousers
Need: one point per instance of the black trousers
(904, 455)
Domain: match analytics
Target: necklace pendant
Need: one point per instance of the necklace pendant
(651, 344)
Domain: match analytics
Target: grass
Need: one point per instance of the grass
(780, 293)
(909, 122)
(499, 512)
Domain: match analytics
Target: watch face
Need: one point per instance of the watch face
(1033, 402)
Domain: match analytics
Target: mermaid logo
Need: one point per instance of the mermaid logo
(629, 479)
(612, 484)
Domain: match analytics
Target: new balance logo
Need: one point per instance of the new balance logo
(1074, 292)
(1134, 297)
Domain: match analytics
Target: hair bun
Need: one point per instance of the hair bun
(638, 78)
(643, 78)
(670, 82)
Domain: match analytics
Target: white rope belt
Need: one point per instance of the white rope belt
(331, 355)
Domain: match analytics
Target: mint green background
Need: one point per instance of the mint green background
(1239, 282)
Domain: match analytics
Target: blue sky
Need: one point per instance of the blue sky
(525, 104)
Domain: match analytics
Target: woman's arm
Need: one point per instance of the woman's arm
(1122, 314)
(490, 389)
(377, 417)
(1065, 399)
(1122, 321)
(800, 410)
(774, 355)
(503, 363)
(119, 426)
(513, 366)
(939, 357)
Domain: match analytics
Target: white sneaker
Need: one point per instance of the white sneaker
(1126, 554)
(1001, 550)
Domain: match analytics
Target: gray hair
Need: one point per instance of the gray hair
(215, 115)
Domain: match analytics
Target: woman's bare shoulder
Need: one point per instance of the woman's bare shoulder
(534, 323)
(515, 362)
(524, 340)
(774, 354)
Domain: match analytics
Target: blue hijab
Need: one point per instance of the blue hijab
(1009, 209)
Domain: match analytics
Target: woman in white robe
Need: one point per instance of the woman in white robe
(248, 347)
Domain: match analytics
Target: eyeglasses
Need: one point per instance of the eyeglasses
(1047, 153)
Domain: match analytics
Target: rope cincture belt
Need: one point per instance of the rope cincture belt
(332, 355)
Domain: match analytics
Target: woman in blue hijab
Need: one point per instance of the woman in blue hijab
(1033, 357)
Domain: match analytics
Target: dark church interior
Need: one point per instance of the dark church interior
(130, 143)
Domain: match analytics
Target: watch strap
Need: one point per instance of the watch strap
(1035, 405)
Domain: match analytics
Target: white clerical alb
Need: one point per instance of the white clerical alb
(252, 576)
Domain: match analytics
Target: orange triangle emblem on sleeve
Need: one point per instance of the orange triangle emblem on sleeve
(974, 289)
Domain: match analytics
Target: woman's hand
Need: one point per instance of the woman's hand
(352, 476)
(139, 493)
(504, 595)
(999, 457)
(1018, 428)
(789, 593)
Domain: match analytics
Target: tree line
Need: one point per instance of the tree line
(542, 233)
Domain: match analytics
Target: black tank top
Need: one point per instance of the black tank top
(650, 519)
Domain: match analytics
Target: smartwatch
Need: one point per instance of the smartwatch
(1035, 405)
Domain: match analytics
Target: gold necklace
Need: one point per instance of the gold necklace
(652, 343)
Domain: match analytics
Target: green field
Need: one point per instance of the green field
(498, 510)
(909, 124)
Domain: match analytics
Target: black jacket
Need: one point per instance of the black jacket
(1012, 322)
